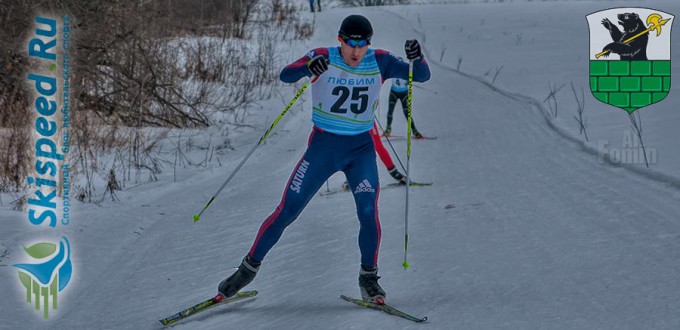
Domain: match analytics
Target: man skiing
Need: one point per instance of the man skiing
(345, 94)
(399, 92)
(385, 156)
(311, 5)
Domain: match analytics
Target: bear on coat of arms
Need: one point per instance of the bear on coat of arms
(634, 50)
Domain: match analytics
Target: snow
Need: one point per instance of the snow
(542, 42)
(524, 226)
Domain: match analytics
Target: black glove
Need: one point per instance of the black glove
(317, 65)
(412, 48)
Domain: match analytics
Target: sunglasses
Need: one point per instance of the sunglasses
(355, 42)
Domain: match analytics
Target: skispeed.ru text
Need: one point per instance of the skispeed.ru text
(42, 207)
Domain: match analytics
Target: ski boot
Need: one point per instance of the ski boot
(244, 274)
(370, 289)
(417, 135)
(387, 132)
(397, 176)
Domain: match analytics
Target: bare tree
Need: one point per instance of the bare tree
(495, 75)
(139, 64)
(442, 53)
(636, 123)
(14, 98)
(553, 96)
(582, 123)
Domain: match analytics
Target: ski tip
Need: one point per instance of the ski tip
(166, 322)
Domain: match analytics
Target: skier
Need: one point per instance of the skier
(345, 95)
(311, 5)
(384, 157)
(399, 92)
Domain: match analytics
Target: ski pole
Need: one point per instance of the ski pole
(264, 137)
(408, 160)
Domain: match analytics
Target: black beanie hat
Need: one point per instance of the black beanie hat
(356, 27)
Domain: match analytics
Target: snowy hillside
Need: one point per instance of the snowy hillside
(543, 43)
(522, 229)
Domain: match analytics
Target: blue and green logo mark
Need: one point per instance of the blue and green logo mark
(630, 56)
(48, 276)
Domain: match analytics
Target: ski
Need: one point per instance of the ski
(207, 304)
(403, 138)
(387, 186)
(331, 192)
(413, 184)
(385, 308)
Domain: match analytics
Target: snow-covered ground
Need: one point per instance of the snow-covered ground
(523, 228)
(546, 42)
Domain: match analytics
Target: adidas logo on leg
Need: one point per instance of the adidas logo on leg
(364, 186)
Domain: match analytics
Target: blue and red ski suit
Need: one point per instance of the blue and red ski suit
(339, 141)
